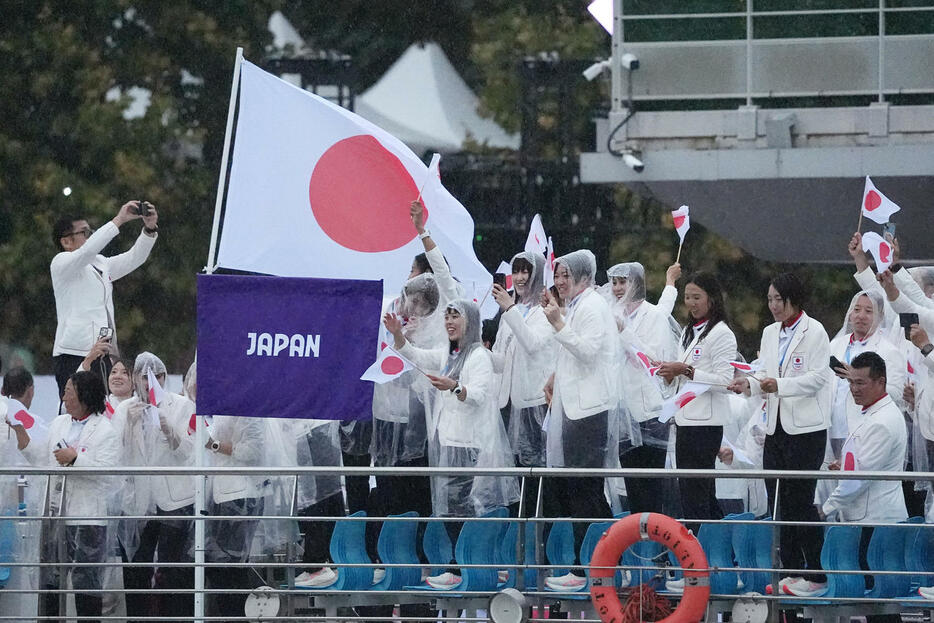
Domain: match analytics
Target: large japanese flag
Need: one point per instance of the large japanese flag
(877, 206)
(316, 191)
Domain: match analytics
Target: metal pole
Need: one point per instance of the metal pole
(881, 82)
(222, 178)
(616, 68)
(749, 64)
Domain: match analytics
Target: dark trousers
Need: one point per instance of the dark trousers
(644, 494)
(864, 538)
(171, 539)
(584, 445)
(317, 534)
(66, 365)
(83, 544)
(358, 487)
(799, 546)
(696, 447)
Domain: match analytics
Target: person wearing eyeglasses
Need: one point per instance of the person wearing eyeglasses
(82, 280)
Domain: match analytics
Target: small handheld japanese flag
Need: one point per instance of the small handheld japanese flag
(156, 393)
(877, 206)
(537, 242)
(746, 368)
(682, 221)
(849, 463)
(880, 248)
(689, 392)
(550, 264)
(646, 362)
(388, 366)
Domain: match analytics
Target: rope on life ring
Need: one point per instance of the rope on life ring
(661, 529)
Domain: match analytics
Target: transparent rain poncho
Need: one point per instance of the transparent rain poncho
(586, 442)
(400, 431)
(523, 357)
(469, 433)
(924, 276)
(313, 443)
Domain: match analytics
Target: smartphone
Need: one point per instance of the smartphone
(105, 333)
(61, 445)
(500, 280)
(143, 208)
(906, 320)
(836, 364)
(888, 230)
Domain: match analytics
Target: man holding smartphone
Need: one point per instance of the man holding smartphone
(82, 280)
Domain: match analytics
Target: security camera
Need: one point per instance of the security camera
(632, 162)
(630, 61)
(594, 71)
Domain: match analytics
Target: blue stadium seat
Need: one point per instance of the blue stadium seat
(7, 540)
(348, 546)
(506, 552)
(716, 539)
(887, 553)
(841, 553)
(919, 553)
(559, 548)
(589, 544)
(745, 548)
(396, 545)
(437, 547)
(477, 545)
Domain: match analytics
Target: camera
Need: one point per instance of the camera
(105, 333)
(631, 161)
(594, 71)
(143, 208)
(629, 61)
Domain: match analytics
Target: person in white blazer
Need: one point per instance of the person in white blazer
(465, 429)
(81, 437)
(523, 357)
(583, 423)
(797, 383)
(648, 329)
(878, 443)
(708, 345)
(156, 436)
(82, 281)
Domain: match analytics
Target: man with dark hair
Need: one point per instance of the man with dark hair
(877, 443)
(18, 384)
(82, 280)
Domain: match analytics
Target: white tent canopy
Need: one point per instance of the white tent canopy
(424, 102)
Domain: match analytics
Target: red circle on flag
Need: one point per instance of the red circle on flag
(360, 194)
(873, 200)
(25, 419)
(884, 252)
(392, 365)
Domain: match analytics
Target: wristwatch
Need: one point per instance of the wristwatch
(425, 234)
(215, 446)
(926, 349)
(457, 390)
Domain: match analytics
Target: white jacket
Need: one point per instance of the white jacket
(82, 282)
(168, 493)
(457, 420)
(448, 286)
(585, 366)
(846, 414)
(97, 446)
(903, 305)
(711, 359)
(247, 436)
(523, 356)
(878, 444)
(805, 381)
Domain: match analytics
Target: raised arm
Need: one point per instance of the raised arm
(446, 283)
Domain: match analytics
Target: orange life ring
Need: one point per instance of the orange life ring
(661, 529)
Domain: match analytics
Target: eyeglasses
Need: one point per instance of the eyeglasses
(86, 232)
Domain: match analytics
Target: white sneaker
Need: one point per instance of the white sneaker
(323, 577)
(378, 575)
(568, 582)
(926, 591)
(675, 586)
(445, 580)
(302, 577)
(781, 584)
(502, 576)
(805, 588)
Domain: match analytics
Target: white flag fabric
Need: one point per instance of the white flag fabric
(156, 393)
(388, 365)
(688, 392)
(876, 206)
(850, 463)
(880, 248)
(317, 191)
(682, 221)
(550, 264)
(537, 242)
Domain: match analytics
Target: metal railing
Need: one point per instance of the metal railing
(298, 601)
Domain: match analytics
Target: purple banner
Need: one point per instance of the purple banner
(285, 347)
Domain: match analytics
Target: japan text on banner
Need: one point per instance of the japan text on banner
(876, 206)
(316, 191)
(286, 347)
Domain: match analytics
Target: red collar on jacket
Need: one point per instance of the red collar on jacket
(869, 406)
(790, 323)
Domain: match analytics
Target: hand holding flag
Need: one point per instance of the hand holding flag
(156, 393)
(389, 365)
(682, 221)
(880, 249)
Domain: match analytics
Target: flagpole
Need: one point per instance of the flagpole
(859, 226)
(680, 244)
(222, 178)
